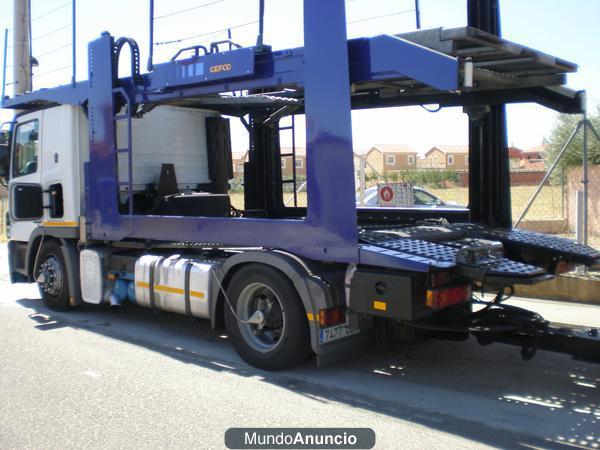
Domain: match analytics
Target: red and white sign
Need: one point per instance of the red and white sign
(395, 194)
(386, 194)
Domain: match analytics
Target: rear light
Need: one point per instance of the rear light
(562, 267)
(332, 316)
(442, 298)
(440, 278)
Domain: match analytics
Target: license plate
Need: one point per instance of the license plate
(334, 333)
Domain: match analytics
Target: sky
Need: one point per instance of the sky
(564, 28)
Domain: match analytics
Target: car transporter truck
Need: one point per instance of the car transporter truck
(119, 192)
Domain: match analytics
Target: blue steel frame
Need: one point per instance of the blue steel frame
(325, 68)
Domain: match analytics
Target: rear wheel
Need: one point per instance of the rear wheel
(51, 276)
(271, 329)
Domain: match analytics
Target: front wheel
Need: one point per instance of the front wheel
(51, 276)
(271, 328)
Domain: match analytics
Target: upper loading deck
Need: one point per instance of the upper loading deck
(454, 66)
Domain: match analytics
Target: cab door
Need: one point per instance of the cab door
(25, 187)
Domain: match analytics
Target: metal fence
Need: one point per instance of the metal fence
(567, 201)
(549, 212)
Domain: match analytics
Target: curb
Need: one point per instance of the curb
(564, 288)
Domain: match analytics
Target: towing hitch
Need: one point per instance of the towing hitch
(530, 331)
(507, 324)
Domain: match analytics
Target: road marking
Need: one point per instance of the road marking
(532, 401)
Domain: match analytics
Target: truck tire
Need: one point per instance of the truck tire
(51, 276)
(282, 339)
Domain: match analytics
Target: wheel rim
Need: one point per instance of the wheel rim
(266, 336)
(52, 276)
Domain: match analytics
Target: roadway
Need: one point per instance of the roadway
(103, 378)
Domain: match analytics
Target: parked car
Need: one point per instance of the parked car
(422, 199)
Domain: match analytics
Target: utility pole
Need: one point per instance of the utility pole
(22, 47)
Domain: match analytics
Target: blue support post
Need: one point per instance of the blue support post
(102, 209)
(74, 43)
(418, 14)
(4, 66)
(330, 166)
(151, 36)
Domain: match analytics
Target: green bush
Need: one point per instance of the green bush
(423, 178)
(236, 184)
(429, 178)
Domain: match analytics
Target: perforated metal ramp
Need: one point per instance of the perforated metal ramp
(556, 246)
(495, 270)
(512, 239)
(441, 244)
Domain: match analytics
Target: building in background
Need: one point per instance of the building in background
(515, 157)
(287, 170)
(433, 159)
(385, 159)
(373, 160)
(534, 158)
(389, 159)
(238, 160)
(450, 157)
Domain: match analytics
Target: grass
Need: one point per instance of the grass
(547, 206)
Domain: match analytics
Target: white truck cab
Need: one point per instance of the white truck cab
(45, 176)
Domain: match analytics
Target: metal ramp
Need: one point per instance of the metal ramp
(518, 64)
(494, 270)
(557, 246)
(520, 239)
(442, 246)
(503, 72)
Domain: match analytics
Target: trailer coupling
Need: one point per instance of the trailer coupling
(508, 324)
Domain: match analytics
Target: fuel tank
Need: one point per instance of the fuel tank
(175, 284)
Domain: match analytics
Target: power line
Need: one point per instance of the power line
(52, 32)
(382, 16)
(54, 50)
(188, 9)
(51, 11)
(37, 75)
(174, 41)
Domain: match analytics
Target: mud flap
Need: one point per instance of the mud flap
(71, 256)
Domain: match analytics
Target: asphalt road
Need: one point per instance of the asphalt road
(131, 378)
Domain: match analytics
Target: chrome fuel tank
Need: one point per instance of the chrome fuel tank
(174, 283)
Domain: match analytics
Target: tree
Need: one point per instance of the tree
(563, 128)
